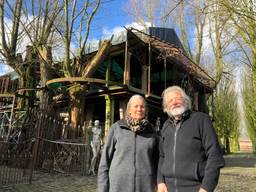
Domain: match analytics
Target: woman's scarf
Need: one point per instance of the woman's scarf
(136, 125)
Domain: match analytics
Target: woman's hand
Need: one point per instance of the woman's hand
(161, 187)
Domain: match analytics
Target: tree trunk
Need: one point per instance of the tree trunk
(97, 59)
(227, 145)
(107, 114)
(76, 110)
(77, 92)
(45, 56)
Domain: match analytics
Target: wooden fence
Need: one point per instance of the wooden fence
(42, 144)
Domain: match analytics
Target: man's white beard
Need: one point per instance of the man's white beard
(176, 112)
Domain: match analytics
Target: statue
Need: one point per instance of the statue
(158, 124)
(95, 145)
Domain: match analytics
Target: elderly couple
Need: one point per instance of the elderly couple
(186, 157)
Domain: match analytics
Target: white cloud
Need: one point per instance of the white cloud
(5, 69)
(118, 32)
(118, 29)
(57, 49)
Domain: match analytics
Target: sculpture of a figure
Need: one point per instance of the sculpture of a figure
(95, 145)
(158, 124)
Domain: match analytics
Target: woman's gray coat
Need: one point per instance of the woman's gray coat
(129, 160)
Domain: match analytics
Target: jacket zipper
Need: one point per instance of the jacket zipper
(135, 136)
(177, 126)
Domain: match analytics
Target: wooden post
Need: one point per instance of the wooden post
(45, 58)
(144, 78)
(11, 118)
(112, 109)
(2, 85)
(165, 72)
(36, 146)
(122, 109)
(127, 65)
(195, 101)
(6, 90)
(107, 114)
(149, 67)
(108, 101)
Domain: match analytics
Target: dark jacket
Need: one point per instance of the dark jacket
(190, 155)
(129, 160)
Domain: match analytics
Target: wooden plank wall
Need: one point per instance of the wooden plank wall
(8, 86)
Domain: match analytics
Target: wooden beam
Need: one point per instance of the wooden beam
(7, 95)
(127, 65)
(81, 80)
(144, 78)
(149, 67)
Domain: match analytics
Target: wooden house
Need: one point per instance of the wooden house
(144, 62)
(139, 62)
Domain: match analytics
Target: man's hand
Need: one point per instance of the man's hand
(161, 187)
(202, 190)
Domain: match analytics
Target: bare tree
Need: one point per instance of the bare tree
(179, 14)
(42, 23)
(200, 15)
(226, 117)
(143, 11)
(10, 32)
(243, 18)
(220, 34)
(32, 20)
(78, 17)
(249, 101)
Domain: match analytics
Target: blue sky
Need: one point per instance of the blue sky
(110, 15)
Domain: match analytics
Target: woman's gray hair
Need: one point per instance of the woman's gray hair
(173, 89)
(132, 99)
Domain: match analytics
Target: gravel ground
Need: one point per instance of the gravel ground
(239, 175)
(237, 179)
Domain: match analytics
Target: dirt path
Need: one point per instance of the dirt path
(239, 175)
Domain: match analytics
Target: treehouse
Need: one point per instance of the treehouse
(42, 111)
(137, 62)
(141, 62)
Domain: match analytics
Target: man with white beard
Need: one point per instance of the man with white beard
(190, 155)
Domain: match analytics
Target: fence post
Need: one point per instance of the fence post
(35, 147)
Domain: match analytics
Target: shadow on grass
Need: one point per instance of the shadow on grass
(240, 160)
